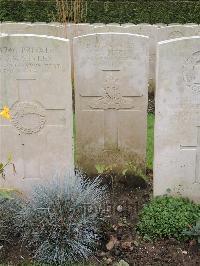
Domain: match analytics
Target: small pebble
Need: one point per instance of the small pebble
(122, 263)
(119, 208)
(102, 254)
(108, 261)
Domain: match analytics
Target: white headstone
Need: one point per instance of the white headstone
(56, 23)
(111, 76)
(113, 24)
(177, 125)
(197, 30)
(109, 28)
(176, 31)
(151, 32)
(192, 24)
(98, 24)
(160, 25)
(47, 29)
(80, 29)
(35, 28)
(75, 30)
(175, 24)
(35, 82)
(127, 24)
(14, 28)
(39, 22)
(144, 24)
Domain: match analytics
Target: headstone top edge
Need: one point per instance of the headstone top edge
(178, 26)
(5, 35)
(178, 40)
(112, 33)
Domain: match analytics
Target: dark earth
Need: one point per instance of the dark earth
(131, 247)
(119, 238)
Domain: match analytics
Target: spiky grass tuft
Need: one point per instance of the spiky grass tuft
(10, 205)
(61, 220)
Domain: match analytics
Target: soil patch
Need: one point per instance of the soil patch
(126, 204)
(119, 238)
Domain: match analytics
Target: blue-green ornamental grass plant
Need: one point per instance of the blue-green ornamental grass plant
(10, 205)
(166, 217)
(61, 220)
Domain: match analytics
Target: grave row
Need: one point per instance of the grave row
(111, 96)
(156, 33)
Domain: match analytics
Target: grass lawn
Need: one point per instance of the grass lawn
(150, 140)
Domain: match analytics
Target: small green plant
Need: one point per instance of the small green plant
(166, 217)
(3, 166)
(135, 170)
(194, 232)
(104, 169)
(101, 168)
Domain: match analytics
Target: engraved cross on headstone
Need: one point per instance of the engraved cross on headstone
(195, 148)
(111, 102)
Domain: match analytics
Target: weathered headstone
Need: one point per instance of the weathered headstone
(75, 30)
(127, 24)
(144, 24)
(109, 28)
(111, 76)
(160, 25)
(177, 126)
(39, 22)
(98, 24)
(175, 31)
(113, 24)
(56, 23)
(80, 29)
(151, 32)
(175, 24)
(35, 83)
(197, 31)
(35, 28)
(15, 28)
(48, 29)
(192, 24)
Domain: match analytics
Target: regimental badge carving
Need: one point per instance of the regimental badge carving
(191, 72)
(28, 117)
(112, 98)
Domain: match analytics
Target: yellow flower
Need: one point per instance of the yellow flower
(5, 113)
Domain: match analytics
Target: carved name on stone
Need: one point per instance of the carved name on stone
(27, 59)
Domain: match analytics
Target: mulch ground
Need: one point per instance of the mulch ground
(122, 242)
(119, 238)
